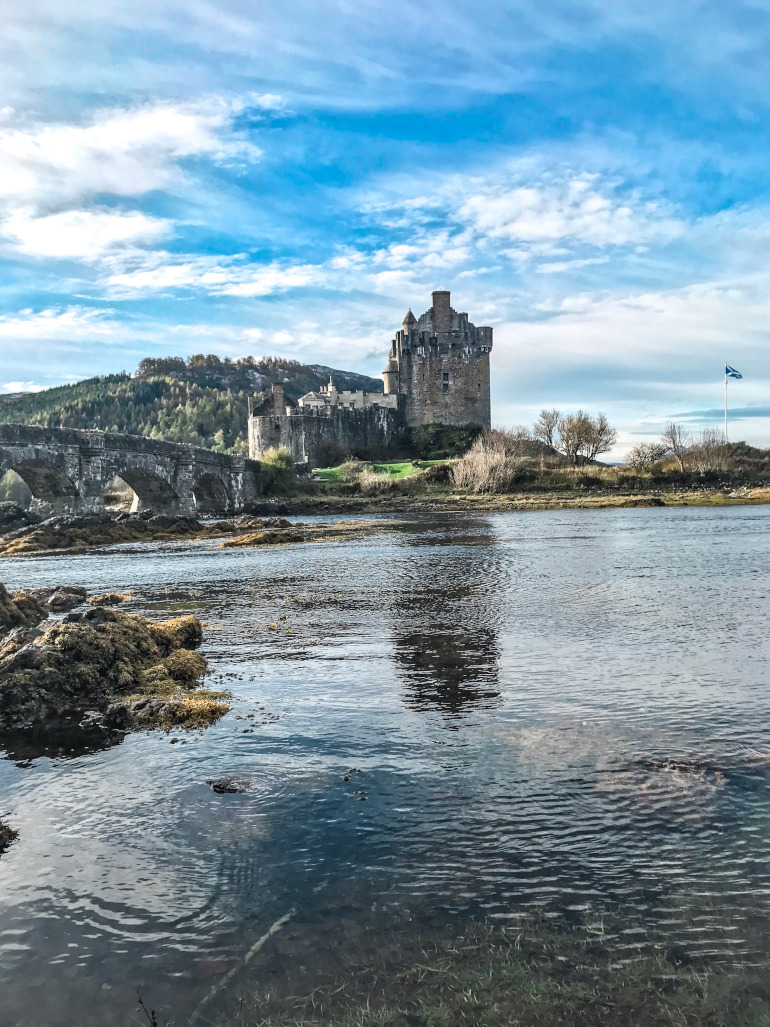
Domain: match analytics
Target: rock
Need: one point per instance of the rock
(228, 785)
(59, 598)
(82, 666)
(109, 599)
(21, 609)
(274, 537)
(7, 836)
(13, 517)
(647, 501)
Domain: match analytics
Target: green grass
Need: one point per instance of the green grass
(396, 469)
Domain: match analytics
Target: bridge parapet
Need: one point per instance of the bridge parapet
(67, 468)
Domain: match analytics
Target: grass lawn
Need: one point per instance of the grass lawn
(397, 469)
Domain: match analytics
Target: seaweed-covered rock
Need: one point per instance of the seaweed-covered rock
(91, 659)
(109, 599)
(270, 537)
(645, 501)
(22, 609)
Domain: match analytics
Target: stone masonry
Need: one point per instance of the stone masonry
(66, 470)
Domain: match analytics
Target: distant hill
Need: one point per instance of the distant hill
(202, 400)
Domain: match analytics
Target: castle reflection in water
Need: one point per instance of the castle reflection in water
(444, 637)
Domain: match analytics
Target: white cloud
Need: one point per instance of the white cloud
(83, 234)
(12, 387)
(125, 152)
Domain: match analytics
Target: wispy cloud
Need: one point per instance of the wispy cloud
(123, 152)
(52, 324)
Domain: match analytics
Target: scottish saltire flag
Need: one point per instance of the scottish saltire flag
(730, 372)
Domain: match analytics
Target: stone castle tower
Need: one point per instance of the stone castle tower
(437, 373)
(440, 364)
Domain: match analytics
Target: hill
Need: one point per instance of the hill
(202, 400)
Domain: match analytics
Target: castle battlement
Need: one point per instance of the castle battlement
(437, 373)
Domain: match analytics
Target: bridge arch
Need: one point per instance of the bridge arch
(151, 492)
(211, 495)
(49, 485)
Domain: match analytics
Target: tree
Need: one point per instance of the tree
(582, 438)
(708, 451)
(545, 427)
(677, 442)
(644, 455)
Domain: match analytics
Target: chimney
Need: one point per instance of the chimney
(442, 312)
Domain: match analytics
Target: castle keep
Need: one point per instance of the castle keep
(437, 373)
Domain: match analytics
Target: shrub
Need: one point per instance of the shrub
(351, 470)
(497, 461)
(277, 470)
(331, 453)
(644, 455)
(371, 481)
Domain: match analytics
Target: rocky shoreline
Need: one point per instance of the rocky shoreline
(79, 534)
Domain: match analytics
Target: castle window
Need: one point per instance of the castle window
(445, 376)
(445, 387)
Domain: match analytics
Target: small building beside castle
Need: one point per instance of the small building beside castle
(437, 373)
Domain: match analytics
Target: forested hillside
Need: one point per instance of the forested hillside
(202, 401)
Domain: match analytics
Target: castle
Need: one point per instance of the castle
(437, 373)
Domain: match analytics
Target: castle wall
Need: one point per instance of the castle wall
(445, 378)
(303, 432)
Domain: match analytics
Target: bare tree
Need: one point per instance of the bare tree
(677, 442)
(644, 455)
(581, 438)
(708, 451)
(601, 437)
(545, 427)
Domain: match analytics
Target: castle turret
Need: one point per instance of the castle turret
(390, 374)
(442, 312)
(409, 321)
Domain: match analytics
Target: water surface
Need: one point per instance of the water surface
(562, 712)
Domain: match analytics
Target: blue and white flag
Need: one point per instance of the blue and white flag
(730, 372)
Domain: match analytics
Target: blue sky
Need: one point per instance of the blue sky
(589, 177)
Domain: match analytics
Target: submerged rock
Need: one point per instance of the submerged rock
(228, 785)
(7, 836)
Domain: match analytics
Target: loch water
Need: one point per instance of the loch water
(466, 718)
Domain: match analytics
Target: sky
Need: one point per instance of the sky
(589, 177)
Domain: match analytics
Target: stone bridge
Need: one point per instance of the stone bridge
(66, 470)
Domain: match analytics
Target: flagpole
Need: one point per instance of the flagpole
(725, 402)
